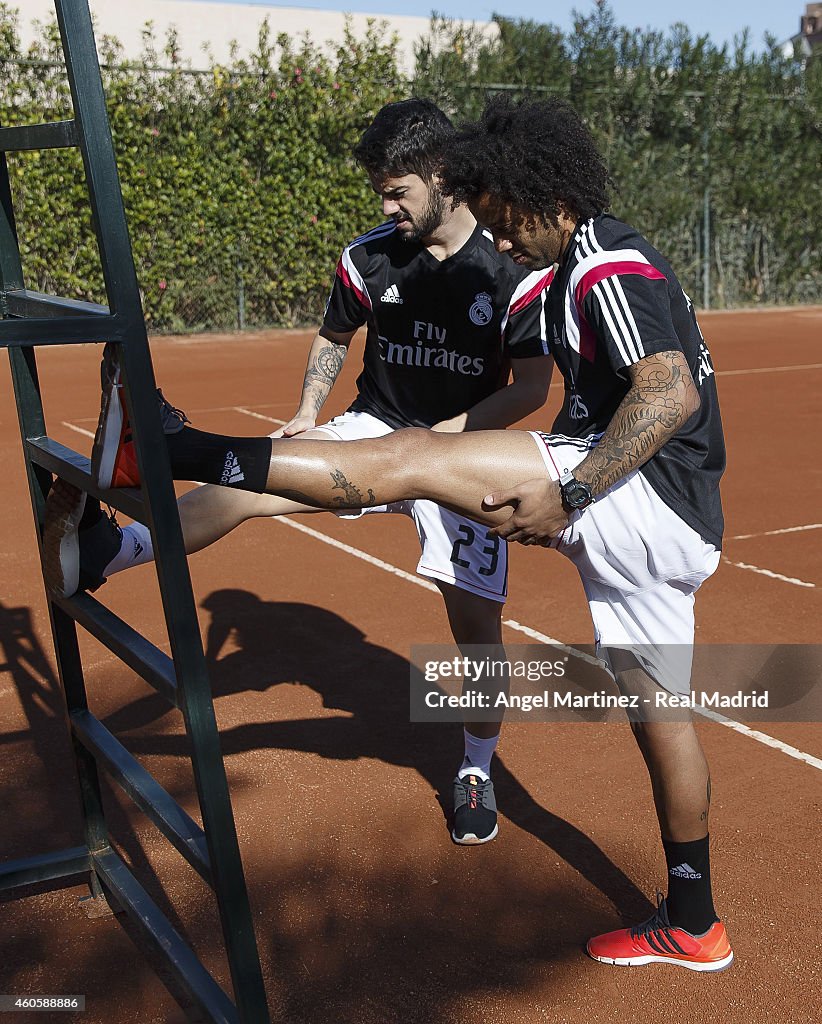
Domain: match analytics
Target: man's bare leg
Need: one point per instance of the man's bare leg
(458, 470)
(475, 620)
(681, 786)
(210, 512)
(455, 470)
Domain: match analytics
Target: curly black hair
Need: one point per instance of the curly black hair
(406, 137)
(535, 155)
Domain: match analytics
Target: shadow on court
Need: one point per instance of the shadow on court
(373, 929)
(40, 802)
(36, 792)
(281, 642)
(380, 929)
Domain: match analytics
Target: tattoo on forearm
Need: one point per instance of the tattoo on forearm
(661, 398)
(353, 495)
(321, 373)
(329, 362)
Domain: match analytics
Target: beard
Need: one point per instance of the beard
(427, 220)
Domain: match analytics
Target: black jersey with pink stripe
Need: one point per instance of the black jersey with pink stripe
(615, 301)
(441, 334)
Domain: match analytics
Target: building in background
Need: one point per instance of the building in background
(809, 36)
(207, 30)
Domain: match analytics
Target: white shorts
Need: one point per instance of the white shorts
(455, 550)
(640, 565)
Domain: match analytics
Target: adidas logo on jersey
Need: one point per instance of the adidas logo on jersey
(392, 294)
(577, 409)
(684, 871)
(232, 474)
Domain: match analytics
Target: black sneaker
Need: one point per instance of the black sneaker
(475, 811)
(79, 541)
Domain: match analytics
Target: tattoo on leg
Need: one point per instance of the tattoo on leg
(353, 495)
(704, 815)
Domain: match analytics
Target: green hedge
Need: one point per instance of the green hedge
(241, 179)
(244, 172)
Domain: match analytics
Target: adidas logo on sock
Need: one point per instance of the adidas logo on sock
(684, 871)
(392, 294)
(138, 549)
(232, 474)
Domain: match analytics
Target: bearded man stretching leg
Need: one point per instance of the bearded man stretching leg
(446, 315)
(626, 485)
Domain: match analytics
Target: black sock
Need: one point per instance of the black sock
(690, 903)
(240, 462)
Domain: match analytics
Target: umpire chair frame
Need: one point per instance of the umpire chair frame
(30, 319)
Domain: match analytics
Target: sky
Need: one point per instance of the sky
(720, 19)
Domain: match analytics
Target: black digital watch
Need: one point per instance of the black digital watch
(575, 494)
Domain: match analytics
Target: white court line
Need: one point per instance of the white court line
(257, 415)
(769, 369)
(767, 572)
(761, 737)
(543, 639)
(231, 408)
(774, 533)
(212, 408)
(71, 426)
(427, 585)
(357, 553)
(729, 723)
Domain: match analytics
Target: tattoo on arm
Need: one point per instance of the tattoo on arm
(320, 374)
(353, 497)
(662, 397)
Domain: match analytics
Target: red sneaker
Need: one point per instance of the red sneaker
(113, 456)
(657, 941)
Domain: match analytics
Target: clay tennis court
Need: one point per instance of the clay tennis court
(365, 911)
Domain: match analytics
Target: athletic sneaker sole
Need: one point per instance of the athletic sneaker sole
(61, 544)
(710, 967)
(109, 431)
(469, 839)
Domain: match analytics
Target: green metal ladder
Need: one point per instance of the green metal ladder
(30, 319)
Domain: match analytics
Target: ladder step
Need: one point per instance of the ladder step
(176, 825)
(69, 331)
(76, 469)
(47, 866)
(24, 302)
(178, 957)
(138, 653)
(53, 135)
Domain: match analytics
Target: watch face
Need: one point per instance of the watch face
(576, 495)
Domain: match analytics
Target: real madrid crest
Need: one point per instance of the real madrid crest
(482, 311)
